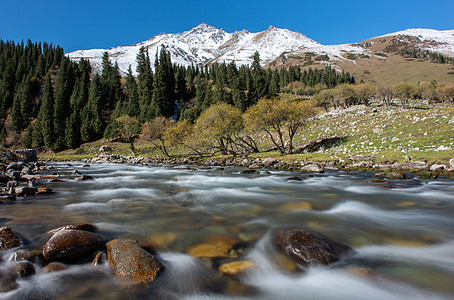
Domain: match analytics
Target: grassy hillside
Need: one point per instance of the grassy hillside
(388, 134)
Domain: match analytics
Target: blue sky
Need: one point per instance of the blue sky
(82, 24)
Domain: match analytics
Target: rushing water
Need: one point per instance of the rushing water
(404, 233)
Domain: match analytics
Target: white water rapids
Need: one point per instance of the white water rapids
(404, 233)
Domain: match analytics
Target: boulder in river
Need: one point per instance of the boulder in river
(309, 248)
(236, 268)
(8, 283)
(391, 175)
(85, 227)
(84, 177)
(8, 239)
(54, 267)
(132, 262)
(33, 256)
(70, 245)
(23, 269)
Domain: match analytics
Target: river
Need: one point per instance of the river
(402, 231)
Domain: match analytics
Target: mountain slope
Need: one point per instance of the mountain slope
(277, 47)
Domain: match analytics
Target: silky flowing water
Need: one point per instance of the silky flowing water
(404, 233)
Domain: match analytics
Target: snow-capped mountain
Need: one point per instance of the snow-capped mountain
(428, 39)
(206, 44)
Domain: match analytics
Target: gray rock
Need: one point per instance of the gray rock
(451, 163)
(437, 167)
(312, 168)
(268, 162)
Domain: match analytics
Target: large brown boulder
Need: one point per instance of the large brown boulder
(132, 262)
(309, 248)
(84, 227)
(8, 239)
(70, 244)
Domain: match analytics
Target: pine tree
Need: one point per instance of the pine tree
(46, 113)
(163, 101)
(133, 109)
(144, 83)
(91, 125)
(63, 90)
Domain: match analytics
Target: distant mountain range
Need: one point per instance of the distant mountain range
(206, 44)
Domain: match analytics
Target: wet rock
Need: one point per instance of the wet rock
(99, 259)
(236, 268)
(15, 175)
(44, 191)
(8, 239)
(70, 245)
(251, 171)
(56, 180)
(218, 246)
(132, 262)
(361, 272)
(15, 166)
(4, 178)
(84, 227)
(392, 175)
(377, 181)
(33, 256)
(54, 267)
(294, 178)
(309, 248)
(254, 166)
(84, 177)
(26, 191)
(312, 168)
(7, 284)
(23, 270)
(163, 240)
(7, 197)
(296, 206)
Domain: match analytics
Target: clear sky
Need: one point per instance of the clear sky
(83, 24)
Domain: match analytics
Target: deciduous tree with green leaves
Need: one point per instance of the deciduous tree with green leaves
(277, 117)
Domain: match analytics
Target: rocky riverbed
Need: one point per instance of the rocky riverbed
(252, 228)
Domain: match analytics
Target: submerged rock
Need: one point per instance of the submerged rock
(33, 256)
(84, 177)
(70, 244)
(54, 267)
(236, 268)
(8, 239)
(308, 248)
(8, 283)
(132, 262)
(218, 246)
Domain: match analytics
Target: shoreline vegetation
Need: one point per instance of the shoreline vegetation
(370, 138)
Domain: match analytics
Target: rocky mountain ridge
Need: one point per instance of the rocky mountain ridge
(205, 44)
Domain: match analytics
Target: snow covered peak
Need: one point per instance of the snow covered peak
(205, 44)
(430, 39)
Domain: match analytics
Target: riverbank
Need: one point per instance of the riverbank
(360, 138)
